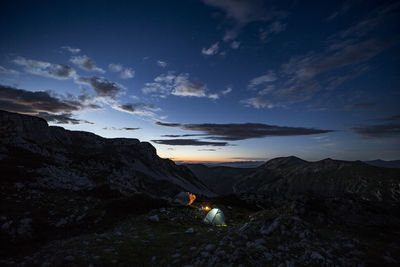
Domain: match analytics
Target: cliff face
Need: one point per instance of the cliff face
(54, 158)
(328, 178)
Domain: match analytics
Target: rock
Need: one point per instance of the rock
(61, 222)
(154, 218)
(69, 258)
(190, 230)
(25, 229)
(210, 247)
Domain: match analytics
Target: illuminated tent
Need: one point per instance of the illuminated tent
(215, 216)
(184, 198)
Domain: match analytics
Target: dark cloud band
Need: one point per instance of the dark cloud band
(188, 142)
(242, 131)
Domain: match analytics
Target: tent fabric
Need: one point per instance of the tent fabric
(215, 216)
(183, 198)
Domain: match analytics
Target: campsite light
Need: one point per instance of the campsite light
(206, 208)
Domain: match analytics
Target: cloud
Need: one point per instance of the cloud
(346, 56)
(340, 12)
(261, 80)
(181, 135)
(102, 86)
(121, 129)
(307, 67)
(115, 67)
(190, 89)
(141, 109)
(179, 85)
(378, 131)
(161, 63)
(86, 63)
(70, 49)
(63, 118)
(360, 106)
(227, 91)
(213, 96)
(127, 73)
(274, 28)
(188, 142)
(134, 107)
(205, 149)
(49, 106)
(8, 71)
(258, 102)
(241, 12)
(242, 131)
(391, 118)
(235, 45)
(267, 90)
(212, 50)
(46, 69)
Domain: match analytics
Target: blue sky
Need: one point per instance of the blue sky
(211, 80)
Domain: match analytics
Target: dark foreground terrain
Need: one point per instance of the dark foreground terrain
(76, 229)
(76, 199)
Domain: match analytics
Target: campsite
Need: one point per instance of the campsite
(199, 133)
(300, 230)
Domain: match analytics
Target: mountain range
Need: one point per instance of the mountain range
(72, 198)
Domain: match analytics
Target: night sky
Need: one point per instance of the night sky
(211, 80)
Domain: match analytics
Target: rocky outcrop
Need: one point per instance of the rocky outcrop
(51, 157)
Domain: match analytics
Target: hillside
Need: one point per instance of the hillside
(219, 178)
(292, 176)
(55, 158)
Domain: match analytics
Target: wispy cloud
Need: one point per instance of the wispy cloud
(262, 80)
(242, 131)
(141, 109)
(72, 50)
(188, 142)
(274, 28)
(227, 91)
(86, 63)
(378, 131)
(121, 129)
(8, 71)
(115, 67)
(127, 73)
(390, 118)
(344, 8)
(239, 13)
(46, 69)
(175, 84)
(161, 63)
(257, 102)
(347, 55)
(212, 50)
(235, 45)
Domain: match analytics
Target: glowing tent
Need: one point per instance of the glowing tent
(184, 198)
(215, 216)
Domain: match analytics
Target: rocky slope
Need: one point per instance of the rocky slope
(54, 158)
(219, 178)
(384, 163)
(291, 176)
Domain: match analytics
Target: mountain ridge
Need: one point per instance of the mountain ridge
(125, 163)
